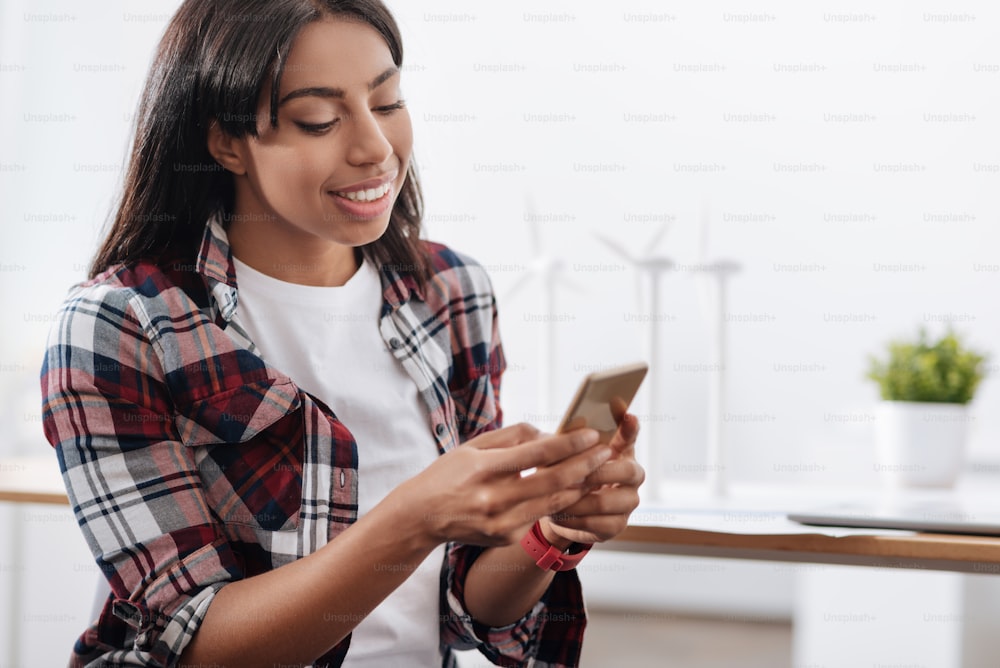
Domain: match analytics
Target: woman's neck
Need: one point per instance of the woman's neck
(290, 254)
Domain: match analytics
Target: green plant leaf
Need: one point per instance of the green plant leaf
(942, 371)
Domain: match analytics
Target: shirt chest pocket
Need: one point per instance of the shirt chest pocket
(248, 445)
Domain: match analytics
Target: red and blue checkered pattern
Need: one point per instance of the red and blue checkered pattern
(191, 463)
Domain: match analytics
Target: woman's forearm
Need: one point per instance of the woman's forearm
(296, 613)
(505, 583)
(299, 611)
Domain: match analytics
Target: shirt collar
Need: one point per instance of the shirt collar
(215, 263)
(214, 257)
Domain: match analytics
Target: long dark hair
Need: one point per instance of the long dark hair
(211, 65)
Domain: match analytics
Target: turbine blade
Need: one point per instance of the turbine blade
(536, 235)
(617, 248)
(519, 284)
(566, 282)
(658, 237)
(704, 224)
(640, 290)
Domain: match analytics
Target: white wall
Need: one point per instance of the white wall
(857, 197)
(840, 239)
(846, 154)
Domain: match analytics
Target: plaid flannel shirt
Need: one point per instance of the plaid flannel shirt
(191, 463)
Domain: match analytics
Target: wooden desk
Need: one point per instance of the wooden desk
(751, 523)
(32, 480)
(742, 527)
(964, 554)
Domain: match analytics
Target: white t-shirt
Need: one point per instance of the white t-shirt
(327, 340)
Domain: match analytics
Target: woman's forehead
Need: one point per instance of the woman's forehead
(338, 52)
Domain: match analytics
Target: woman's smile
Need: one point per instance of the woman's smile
(367, 199)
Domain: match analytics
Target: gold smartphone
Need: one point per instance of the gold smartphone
(602, 400)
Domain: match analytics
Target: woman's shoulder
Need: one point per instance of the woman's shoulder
(457, 271)
(127, 296)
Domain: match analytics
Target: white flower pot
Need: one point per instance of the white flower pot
(920, 444)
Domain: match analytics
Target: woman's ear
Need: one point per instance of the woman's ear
(226, 149)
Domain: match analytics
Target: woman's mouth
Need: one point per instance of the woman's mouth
(369, 195)
(366, 203)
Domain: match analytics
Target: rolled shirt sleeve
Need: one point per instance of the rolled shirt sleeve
(550, 634)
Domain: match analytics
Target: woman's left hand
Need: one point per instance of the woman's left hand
(603, 513)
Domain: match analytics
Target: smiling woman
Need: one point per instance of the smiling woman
(276, 407)
(201, 89)
(322, 172)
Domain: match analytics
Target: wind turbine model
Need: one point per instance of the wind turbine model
(547, 271)
(653, 267)
(718, 273)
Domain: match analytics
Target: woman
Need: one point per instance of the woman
(258, 397)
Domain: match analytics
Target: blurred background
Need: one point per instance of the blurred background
(845, 154)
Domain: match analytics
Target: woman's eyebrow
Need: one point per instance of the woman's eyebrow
(338, 93)
(382, 78)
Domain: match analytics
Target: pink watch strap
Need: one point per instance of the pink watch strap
(548, 557)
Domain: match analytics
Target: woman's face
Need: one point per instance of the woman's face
(334, 165)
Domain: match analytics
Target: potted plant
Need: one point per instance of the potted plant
(921, 427)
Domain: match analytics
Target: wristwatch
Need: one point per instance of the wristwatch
(548, 557)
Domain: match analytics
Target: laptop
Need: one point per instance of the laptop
(929, 516)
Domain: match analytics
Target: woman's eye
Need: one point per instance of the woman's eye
(316, 128)
(389, 108)
(323, 128)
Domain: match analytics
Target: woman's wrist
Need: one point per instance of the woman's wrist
(409, 518)
(550, 534)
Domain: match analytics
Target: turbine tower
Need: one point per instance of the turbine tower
(714, 294)
(548, 272)
(651, 268)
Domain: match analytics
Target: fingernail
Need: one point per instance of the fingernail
(587, 438)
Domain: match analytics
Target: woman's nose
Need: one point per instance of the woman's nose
(369, 145)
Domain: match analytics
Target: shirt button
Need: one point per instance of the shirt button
(395, 343)
(440, 429)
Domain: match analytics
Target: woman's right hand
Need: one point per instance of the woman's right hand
(475, 494)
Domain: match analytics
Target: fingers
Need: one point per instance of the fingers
(571, 473)
(548, 450)
(592, 529)
(494, 479)
(504, 437)
(537, 507)
(624, 439)
(568, 468)
(549, 489)
(599, 516)
(502, 524)
(512, 456)
(618, 408)
(624, 471)
(608, 501)
(603, 513)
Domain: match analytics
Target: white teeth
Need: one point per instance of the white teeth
(369, 195)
